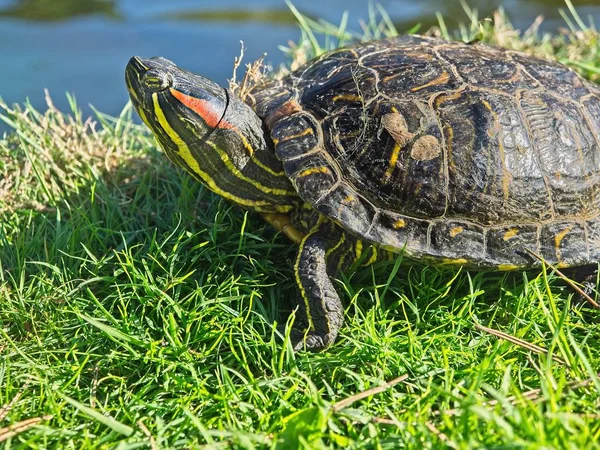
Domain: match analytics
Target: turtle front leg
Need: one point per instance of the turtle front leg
(320, 310)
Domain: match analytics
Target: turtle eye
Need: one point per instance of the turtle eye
(157, 80)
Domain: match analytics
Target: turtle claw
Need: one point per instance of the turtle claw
(311, 341)
(305, 340)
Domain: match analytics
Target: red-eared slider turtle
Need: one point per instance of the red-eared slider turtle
(449, 152)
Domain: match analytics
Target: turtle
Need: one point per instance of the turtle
(447, 153)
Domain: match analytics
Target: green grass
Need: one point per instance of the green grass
(137, 311)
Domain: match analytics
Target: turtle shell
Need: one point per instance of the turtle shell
(452, 152)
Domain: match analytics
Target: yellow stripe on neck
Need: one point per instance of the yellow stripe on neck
(185, 153)
(235, 171)
(255, 160)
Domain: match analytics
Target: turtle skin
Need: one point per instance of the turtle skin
(452, 153)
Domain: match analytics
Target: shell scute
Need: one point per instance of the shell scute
(565, 243)
(337, 86)
(294, 136)
(401, 232)
(460, 238)
(346, 207)
(553, 76)
(492, 69)
(513, 244)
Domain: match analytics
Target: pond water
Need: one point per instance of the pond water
(82, 46)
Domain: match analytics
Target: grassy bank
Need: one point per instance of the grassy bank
(137, 309)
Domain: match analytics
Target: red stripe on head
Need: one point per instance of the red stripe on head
(203, 108)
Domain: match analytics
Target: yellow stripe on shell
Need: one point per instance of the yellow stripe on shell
(294, 136)
(454, 261)
(558, 240)
(393, 161)
(443, 78)
(398, 224)
(348, 98)
(510, 233)
(507, 267)
(306, 172)
(456, 231)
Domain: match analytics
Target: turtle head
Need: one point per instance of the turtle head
(210, 133)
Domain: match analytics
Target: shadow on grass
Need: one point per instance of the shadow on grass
(97, 223)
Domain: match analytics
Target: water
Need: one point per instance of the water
(82, 46)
